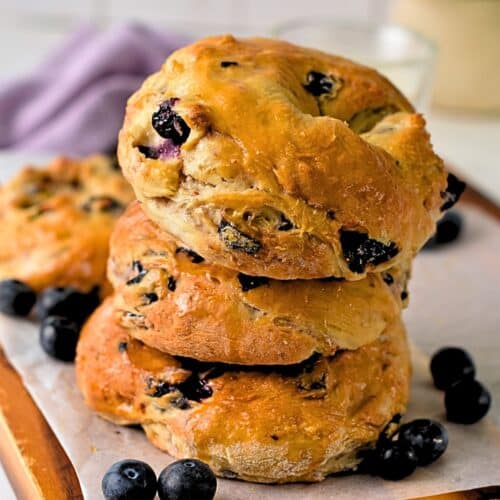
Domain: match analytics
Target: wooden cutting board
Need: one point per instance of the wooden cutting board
(38, 467)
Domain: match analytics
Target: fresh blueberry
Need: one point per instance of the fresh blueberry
(187, 479)
(395, 460)
(59, 336)
(454, 190)
(169, 124)
(450, 365)
(359, 250)
(428, 439)
(318, 83)
(67, 302)
(467, 402)
(129, 480)
(447, 230)
(16, 298)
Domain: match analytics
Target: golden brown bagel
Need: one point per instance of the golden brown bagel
(268, 161)
(297, 423)
(174, 301)
(55, 222)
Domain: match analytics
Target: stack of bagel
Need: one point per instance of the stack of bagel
(260, 275)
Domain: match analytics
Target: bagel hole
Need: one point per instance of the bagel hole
(365, 120)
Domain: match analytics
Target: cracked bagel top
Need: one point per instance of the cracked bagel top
(281, 161)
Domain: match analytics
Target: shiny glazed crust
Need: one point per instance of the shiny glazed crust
(174, 301)
(55, 222)
(271, 166)
(290, 424)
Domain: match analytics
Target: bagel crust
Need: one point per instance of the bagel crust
(56, 222)
(281, 161)
(271, 425)
(173, 300)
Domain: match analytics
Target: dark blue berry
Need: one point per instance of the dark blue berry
(138, 268)
(388, 278)
(157, 389)
(193, 256)
(447, 230)
(129, 480)
(450, 365)
(68, 302)
(150, 297)
(195, 388)
(318, 83)
(16, 298)
(187, 479)
(454, 190)
(359, 250)
(467, 402)
(169, 124)
(284, 224)
(181, 403)
(163, 151)
(428, 439)
(59, 337)
(171, 283)
(234, 239)
(394, 460)
(250, 282)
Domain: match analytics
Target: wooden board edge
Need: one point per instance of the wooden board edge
(34, 461)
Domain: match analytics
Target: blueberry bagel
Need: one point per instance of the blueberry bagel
(175, 301)
(56, 221)
(263, 424)
(282, 162)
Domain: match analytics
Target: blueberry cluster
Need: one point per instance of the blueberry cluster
(61, 311)
(466, 399)
(416, 444)
(187, 479)
(422, 441)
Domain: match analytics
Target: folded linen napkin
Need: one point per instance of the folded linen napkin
(74, 102)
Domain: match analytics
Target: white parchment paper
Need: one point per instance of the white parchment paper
(455, 300)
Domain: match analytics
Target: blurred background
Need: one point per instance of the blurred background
(66, 67)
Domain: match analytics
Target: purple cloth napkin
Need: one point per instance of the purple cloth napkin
(74, 102)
